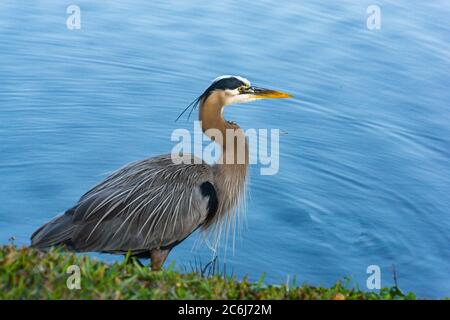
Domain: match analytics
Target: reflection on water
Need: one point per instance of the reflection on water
(364, 167)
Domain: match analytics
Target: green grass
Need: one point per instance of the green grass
(29, 274)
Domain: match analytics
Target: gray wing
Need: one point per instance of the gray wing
(147, 204)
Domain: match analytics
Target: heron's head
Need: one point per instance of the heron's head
(234, 89)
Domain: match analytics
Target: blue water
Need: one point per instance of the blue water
(364, 173)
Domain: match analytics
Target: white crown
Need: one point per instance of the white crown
(244, 80)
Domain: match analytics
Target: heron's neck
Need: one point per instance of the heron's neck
(229, 135)
(230, 176)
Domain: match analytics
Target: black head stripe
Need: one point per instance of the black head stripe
(229, 83)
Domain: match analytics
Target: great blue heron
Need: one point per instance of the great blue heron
(150, 206)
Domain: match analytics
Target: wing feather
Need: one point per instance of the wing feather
(147, 204)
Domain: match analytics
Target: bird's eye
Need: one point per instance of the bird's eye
(241, 89)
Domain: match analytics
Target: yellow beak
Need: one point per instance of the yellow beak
(262, 93)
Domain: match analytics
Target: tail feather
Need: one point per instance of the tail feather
(57, 232)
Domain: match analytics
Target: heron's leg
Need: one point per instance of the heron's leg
(158, 257)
